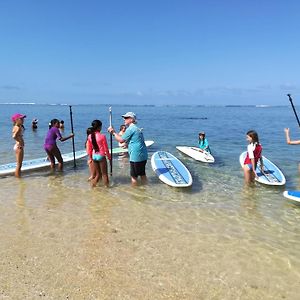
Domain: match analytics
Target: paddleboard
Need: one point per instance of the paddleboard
(118, 150)
(272, 175)
(293, 195)
(196, 153)
(34, 164)
(170, 169)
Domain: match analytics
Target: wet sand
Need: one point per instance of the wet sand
(62, 240)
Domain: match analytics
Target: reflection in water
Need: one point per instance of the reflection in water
(20, 199)
(22, 214)
(56, 191)
(249, 199)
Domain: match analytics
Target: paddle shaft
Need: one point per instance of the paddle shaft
(73, 141)
(111, 142)
(291, 100)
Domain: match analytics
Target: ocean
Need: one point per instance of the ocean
(61, 239)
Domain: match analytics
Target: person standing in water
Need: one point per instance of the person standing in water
(17, 135)
(50, 145)
(34, 124)
(254, 151)
(137, 149)
(62, 125)
(97, 150)
(121, 132)
(89, 131)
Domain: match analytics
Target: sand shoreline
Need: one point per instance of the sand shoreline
(72, 243)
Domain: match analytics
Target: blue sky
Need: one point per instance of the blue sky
(149, 51)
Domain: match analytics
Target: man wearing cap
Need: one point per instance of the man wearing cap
(137, 149)
(17, 135)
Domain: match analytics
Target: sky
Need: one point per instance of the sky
(198, 52)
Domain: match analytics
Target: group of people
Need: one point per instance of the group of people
(96, 146)
(34, 124)
(131, 136)
(50, 145)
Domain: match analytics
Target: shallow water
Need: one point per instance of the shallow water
(60, 239)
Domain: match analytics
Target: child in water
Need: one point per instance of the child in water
(50, 144)
(62, 125)
(17, 135)
(34, 124)
(97, 149)
(90, 161)
(203, 143)
(121, 132)
(254, 151)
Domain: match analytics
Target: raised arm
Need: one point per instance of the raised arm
(288, 139)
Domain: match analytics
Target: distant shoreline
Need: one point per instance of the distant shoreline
(144, 105)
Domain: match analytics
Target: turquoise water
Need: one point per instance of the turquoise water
(169, 127)
(247, 238)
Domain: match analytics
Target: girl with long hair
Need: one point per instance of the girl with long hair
(97, 150)
(254, 151)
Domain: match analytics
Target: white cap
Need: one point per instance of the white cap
(129, 114)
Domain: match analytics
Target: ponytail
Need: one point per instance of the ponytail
(96, 125)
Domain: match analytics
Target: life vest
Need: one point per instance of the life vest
(257, 155)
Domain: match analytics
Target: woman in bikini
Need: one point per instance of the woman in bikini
(17, 135)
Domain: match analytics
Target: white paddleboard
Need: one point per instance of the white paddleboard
(34, 164)
(170, 169)
(272, 175)
(293, 195)
(118, 150)
(196, 153)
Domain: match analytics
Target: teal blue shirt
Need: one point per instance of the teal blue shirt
(203, 144)
(136, 145)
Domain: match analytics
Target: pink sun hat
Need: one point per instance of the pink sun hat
(16, 116)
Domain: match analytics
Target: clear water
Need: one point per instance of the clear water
(215, 240)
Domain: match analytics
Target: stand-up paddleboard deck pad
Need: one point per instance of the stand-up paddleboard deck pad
(170, 169)
(272, 175)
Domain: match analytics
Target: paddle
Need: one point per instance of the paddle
(291, 100)
(111, 142)
(72, 129)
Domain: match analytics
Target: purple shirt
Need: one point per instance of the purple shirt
(52, 135)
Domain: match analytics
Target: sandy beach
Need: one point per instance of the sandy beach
(60, 241)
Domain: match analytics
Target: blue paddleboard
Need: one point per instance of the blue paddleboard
(271, 174)
(170, 169)
(293, 195)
